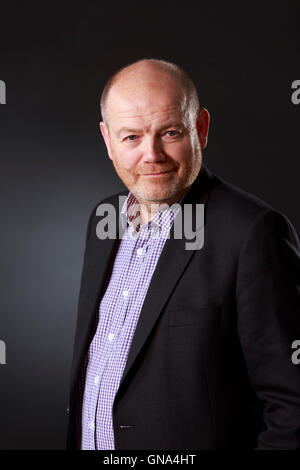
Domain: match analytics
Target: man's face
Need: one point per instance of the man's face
(152, 140)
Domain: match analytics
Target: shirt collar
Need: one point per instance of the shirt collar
(162, 218)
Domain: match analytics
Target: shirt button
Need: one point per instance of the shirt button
(111, 336)
(125, 294)
(96, 380)
(91, 425)
(139, 251)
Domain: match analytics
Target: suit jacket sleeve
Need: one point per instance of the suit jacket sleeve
(268, 305)
(83, 275)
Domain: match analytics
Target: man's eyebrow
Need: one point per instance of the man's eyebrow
(130, 130)
(172, 124)
(127, 130)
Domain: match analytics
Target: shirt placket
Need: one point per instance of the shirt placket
(121, 325)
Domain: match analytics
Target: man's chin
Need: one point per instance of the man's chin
(154, 196)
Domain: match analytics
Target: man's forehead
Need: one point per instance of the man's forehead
(144, 103)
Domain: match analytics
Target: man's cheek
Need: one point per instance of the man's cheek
(130, 164)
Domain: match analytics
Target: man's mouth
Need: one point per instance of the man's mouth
(157, 174)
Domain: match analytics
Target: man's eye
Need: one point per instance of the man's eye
(172, 133)
(131, 137)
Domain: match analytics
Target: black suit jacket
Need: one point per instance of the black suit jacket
(210, 363)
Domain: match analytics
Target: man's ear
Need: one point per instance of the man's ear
(105, 135)
(202, 125)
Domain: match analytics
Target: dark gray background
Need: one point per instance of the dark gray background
(55, 59)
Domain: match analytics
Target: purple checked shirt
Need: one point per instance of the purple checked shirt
(119, 311)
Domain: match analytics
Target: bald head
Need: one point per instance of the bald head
(153, 129)
(148, 74)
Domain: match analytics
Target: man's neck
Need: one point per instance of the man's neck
(149, 208)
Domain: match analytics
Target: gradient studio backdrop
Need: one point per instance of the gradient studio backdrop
(54, 168)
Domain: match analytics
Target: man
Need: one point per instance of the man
(180, 348)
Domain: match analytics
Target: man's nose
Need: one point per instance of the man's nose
(153, 151)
